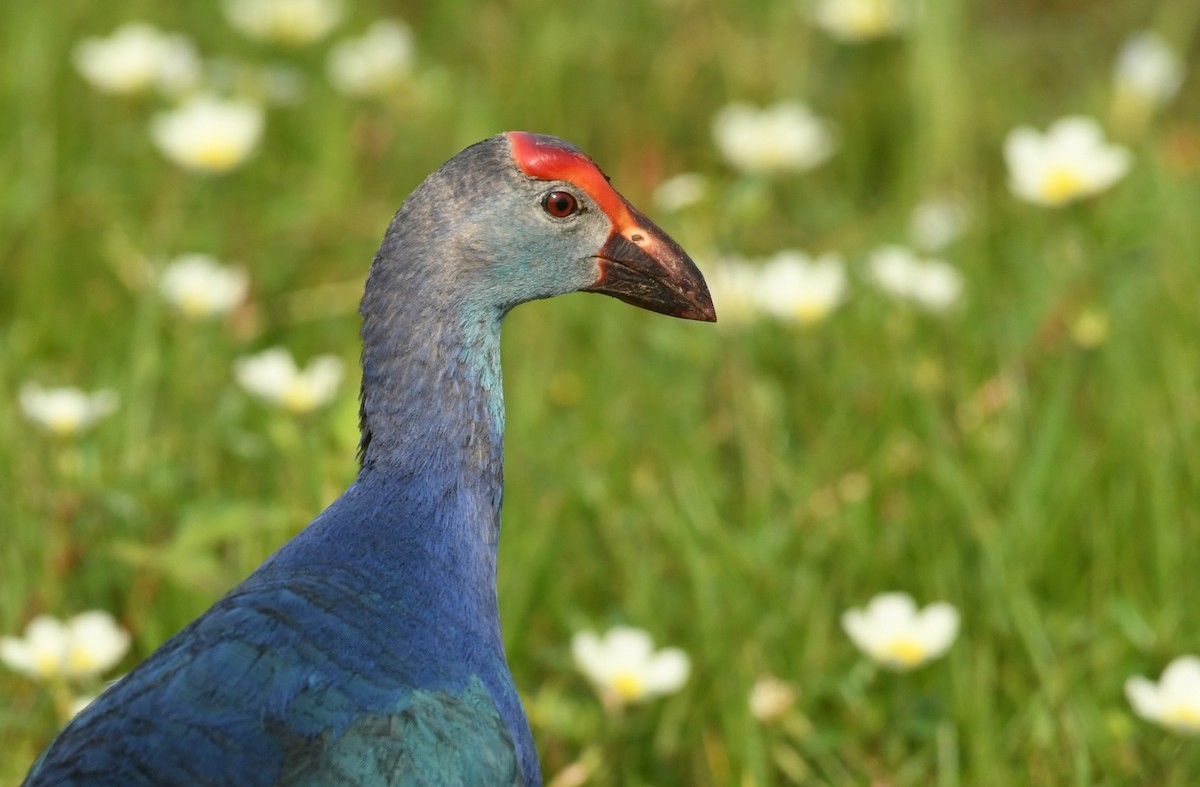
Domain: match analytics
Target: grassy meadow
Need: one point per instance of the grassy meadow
(732, 489)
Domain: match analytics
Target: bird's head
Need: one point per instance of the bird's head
(529, 216)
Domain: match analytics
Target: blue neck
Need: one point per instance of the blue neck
(433, 422)
(432, 417)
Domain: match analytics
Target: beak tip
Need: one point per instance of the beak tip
(704, 311)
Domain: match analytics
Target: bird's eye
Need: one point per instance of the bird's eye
(560, 204)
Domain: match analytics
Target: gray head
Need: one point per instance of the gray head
(524, 216)
(508, 220)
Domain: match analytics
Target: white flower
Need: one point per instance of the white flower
(83, 647)
(198, 286)
(936, 223)
(375, 64)
(208, 134)
(681, 191)
(932, 284)
(289, 22)
(137, 58)
(1148, 69)
(790, 285)
(733, 284)
(786, 137)
(893, 633)
(1070, 161)
(66, 412)
(1173, 702)
(794, 286)
(863, 20)
(624, 666)
(274, 376)
(771, 699)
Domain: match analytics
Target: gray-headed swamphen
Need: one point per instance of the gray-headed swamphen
(367, 650)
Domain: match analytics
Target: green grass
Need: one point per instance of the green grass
(677, 477)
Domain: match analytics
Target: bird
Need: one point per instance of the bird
(367, 650)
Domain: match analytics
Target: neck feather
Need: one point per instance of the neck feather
(432, 408)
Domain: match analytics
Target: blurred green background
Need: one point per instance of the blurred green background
(731, 489)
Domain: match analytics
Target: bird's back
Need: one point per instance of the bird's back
(305, 674)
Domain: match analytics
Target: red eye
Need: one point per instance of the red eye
(560, 204)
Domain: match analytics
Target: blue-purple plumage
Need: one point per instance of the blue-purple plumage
(368, 649)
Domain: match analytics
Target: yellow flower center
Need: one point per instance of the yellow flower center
(65, 424)
(48, 665)
(905, 652)
(195, 304)
(80, 662)
(810, 312)
(299, 398)
(870, 19)
(628, 687)
(296, 28)
(218, 155)
(1060, 186)
(1183, 716)
(1090, 329)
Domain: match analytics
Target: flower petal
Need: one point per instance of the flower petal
(861, 631)
(628, 645)
(667, 671)
(894, 610)
(1182, 678)
(1144, 696)
(588, 655)
(937, 627)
